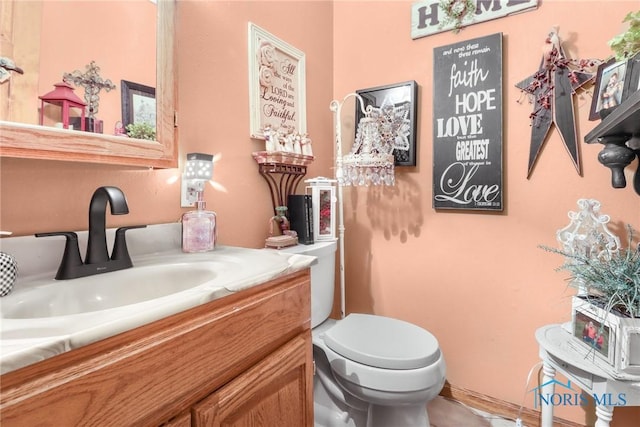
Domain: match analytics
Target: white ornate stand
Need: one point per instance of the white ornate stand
(558, 356)
(588, 235)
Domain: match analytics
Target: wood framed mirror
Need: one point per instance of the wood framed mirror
(40, 142)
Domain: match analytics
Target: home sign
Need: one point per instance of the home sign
(435, 16)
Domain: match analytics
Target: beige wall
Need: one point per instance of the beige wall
(476, 280)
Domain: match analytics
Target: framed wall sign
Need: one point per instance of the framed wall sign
(138, 103)
(396, 94)
(277, 85)
(467, 125)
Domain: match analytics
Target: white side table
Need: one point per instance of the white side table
(558, 356)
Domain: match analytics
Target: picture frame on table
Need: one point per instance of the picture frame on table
(608, 88)
(138, 103)
(632, 83)
(591, 332)
(277, 85)
(397, 94)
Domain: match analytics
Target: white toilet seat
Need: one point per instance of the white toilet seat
(364, 339)
(382, 342)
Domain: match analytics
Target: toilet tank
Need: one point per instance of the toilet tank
(323, 273)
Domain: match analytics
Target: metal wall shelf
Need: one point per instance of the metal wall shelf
(282, 172)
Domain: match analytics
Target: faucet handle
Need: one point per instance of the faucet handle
(71, 258)
(120, 251)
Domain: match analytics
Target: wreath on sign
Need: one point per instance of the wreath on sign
(456, 11)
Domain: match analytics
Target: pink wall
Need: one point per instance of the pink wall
(118, 36)
(476, 280)
(214, 99)
(214, 118)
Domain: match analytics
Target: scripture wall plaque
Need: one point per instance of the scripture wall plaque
(467, 124)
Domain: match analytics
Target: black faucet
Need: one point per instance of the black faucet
(97, 245)
(97, 259)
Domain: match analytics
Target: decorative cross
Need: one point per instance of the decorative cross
(92, 83)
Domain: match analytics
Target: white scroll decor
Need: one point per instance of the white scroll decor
(587, 235)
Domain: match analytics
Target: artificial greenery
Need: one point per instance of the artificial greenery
(614, 282)
(141, 130)
(627, 44)
(456, 11)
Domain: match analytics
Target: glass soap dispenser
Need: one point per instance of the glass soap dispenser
(199, 228)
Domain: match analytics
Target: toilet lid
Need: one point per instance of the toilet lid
(382, 342)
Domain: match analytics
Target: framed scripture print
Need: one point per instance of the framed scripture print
(277, 84)
(396, 94)
(467, 125)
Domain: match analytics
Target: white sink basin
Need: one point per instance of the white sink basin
(49, 298)
(43, 317)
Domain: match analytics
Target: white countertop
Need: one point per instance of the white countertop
(24, 341)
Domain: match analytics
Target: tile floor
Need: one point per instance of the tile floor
(445, 412)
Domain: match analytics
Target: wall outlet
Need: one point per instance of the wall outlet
(187, 198)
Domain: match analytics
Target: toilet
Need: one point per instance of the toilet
(371, 371)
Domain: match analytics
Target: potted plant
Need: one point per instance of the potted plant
(626, 44)
(141, 130)
(606, 318)
(612, 282)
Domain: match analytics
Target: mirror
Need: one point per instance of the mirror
(40, 142)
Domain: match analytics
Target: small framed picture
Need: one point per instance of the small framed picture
(609, 87)
(632, 83)
(138, 103)
(592, 333)
(398, 95)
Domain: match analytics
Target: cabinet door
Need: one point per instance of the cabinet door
(182, 420)
(278, 391)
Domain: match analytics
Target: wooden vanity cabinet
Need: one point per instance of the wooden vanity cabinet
(242, 360)
(182, 420)
(272, 393)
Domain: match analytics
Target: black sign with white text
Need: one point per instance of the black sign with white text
(467, 124)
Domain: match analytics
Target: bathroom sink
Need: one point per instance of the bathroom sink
(50, 298)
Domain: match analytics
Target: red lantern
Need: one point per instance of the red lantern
(64, 97)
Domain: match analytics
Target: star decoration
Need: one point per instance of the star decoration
(551, 90)
(394, 125)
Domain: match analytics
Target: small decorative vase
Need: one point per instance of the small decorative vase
(281, 216)
(8, 273)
